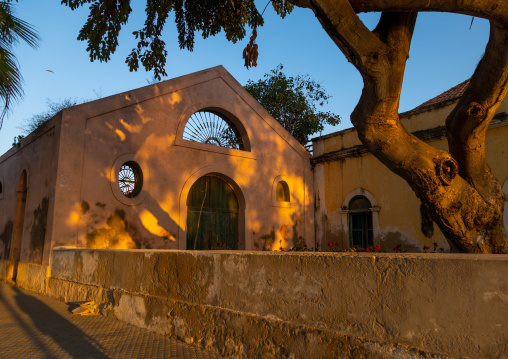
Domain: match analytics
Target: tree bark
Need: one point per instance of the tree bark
(465, 198)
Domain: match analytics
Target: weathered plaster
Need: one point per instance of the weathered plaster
(38, 232)
(73, 163)
(6, 238)
(255, 304)
(36, 156)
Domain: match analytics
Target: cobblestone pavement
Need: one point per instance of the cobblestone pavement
(34, 326)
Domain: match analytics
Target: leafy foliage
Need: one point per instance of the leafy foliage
(106, 19)
(293, 101)
(53, 107)
(12, 31)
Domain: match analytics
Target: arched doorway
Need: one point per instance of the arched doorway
(17, 234)
(212, 215)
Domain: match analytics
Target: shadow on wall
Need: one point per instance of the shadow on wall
(113, 235)
(5, 238)
(146, 129)
(285, 237)
(38, 232)
(107, 225)
(117, 231)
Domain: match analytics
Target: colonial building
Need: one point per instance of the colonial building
(196, 163)
(190, 163)
(360, 203)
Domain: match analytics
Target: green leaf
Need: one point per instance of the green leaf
(293, 102)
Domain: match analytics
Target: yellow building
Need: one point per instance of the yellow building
(359, 202)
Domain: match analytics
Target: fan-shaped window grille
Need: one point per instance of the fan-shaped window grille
(213, 129)
(130, 179)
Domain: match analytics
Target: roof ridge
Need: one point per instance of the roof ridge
(442, 99)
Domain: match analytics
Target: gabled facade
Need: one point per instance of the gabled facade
(189, 163)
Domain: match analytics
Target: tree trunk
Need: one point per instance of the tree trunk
(464, 197)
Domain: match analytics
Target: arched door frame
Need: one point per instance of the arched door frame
(19, 221)
(374, 209)
(227, 175)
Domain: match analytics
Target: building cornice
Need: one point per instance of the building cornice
(428, 135)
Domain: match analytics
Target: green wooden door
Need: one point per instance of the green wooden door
(212, 215)
(360, 223)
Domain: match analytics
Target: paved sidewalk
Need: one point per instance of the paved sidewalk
(34, 326)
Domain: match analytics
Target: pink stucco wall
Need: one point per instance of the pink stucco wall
(36, 155)
(146, 126)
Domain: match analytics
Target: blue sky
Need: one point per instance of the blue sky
(444, 52)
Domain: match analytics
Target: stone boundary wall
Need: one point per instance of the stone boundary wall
(299, 305)
(32, 277)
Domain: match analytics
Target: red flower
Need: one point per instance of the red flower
(368, 250)
(377, 247)
(330, 244)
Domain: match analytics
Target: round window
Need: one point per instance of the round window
(130, 179)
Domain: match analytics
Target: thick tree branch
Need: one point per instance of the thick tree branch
(301, 3)
(467, 124)
(466, 216)
(376, 115)
(489, 9)
(355, 40)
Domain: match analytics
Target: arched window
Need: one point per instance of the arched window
(282, 192)
(360, 223)
(213, 128)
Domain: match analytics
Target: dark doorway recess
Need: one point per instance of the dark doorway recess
(212, 215)
(360, 223)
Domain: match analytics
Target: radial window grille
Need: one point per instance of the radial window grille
(213, 129)
(130, 179)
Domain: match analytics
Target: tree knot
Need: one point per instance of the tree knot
(475, 110)
(447, 168)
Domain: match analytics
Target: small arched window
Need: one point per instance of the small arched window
(360, 222)
(213, 128)
(282, 192)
